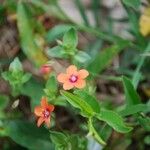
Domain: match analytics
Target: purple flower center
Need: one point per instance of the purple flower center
(46, 113)
(73, 78)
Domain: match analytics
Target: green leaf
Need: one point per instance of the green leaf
(104, 58)
(132, 97)
(3, 101)
(52, 83)
(57, 52)
(51, 86)
(33, 89)
(79, 103)
(28, 135)
(70, 39)
(82, 57)
(147, 140)
(16, 76)
(57, 32)
(59, 139)
(25, 25)
(133, 17)
(144, 122)
(26, 77)
(67, 141)
(92, 101)
(132, 3)
(114, 120)
(133, 109)
(95, 134)
(16, 65)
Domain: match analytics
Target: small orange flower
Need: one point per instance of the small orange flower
(73, 78)
(44, 112)
(45, 69)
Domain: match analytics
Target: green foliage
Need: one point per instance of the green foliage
(82, 57)
(45, 31)
(77, 102)
(65, 141)
(15, 76)
(147, 140)
(28, 44)
(133, 109)
(28, 135)
(16, 66)
(57, 32)
(93, 131)
(57, 52)
(132, 97)
(67, 47)
(3, 101)
(144, 122)
(33, 89)
(51, 88)
(70, 39)
(89, 109)
(105, 57)
(114, 120)
(137, 74)
(82, 11)
(2, 12)
(132, 3)
(91, 100)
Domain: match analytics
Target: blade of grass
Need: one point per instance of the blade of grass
(96, 6)
(94, 31)
(82, 11)
(133, 17)
(137, 74)
(105, 57)
(53, 9)
(27, 37)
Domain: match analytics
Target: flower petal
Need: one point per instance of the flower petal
(83, 73)
(68, 85)
(38, 110)
(50, 108)
(80, 84)
(40, 121)
(72, 69)
(44, 102)
(62, 77)
(47, 122)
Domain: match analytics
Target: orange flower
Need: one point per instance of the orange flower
(44, 112)
(73, 78)
(45, 69)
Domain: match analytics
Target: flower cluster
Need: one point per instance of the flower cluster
(72, 78)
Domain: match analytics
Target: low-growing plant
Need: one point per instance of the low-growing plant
(55, 104)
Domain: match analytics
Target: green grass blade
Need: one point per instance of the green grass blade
(82, 12)
(136, 76)
(96, 6)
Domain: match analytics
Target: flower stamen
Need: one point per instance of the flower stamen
(73, 78)
(46, 113)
